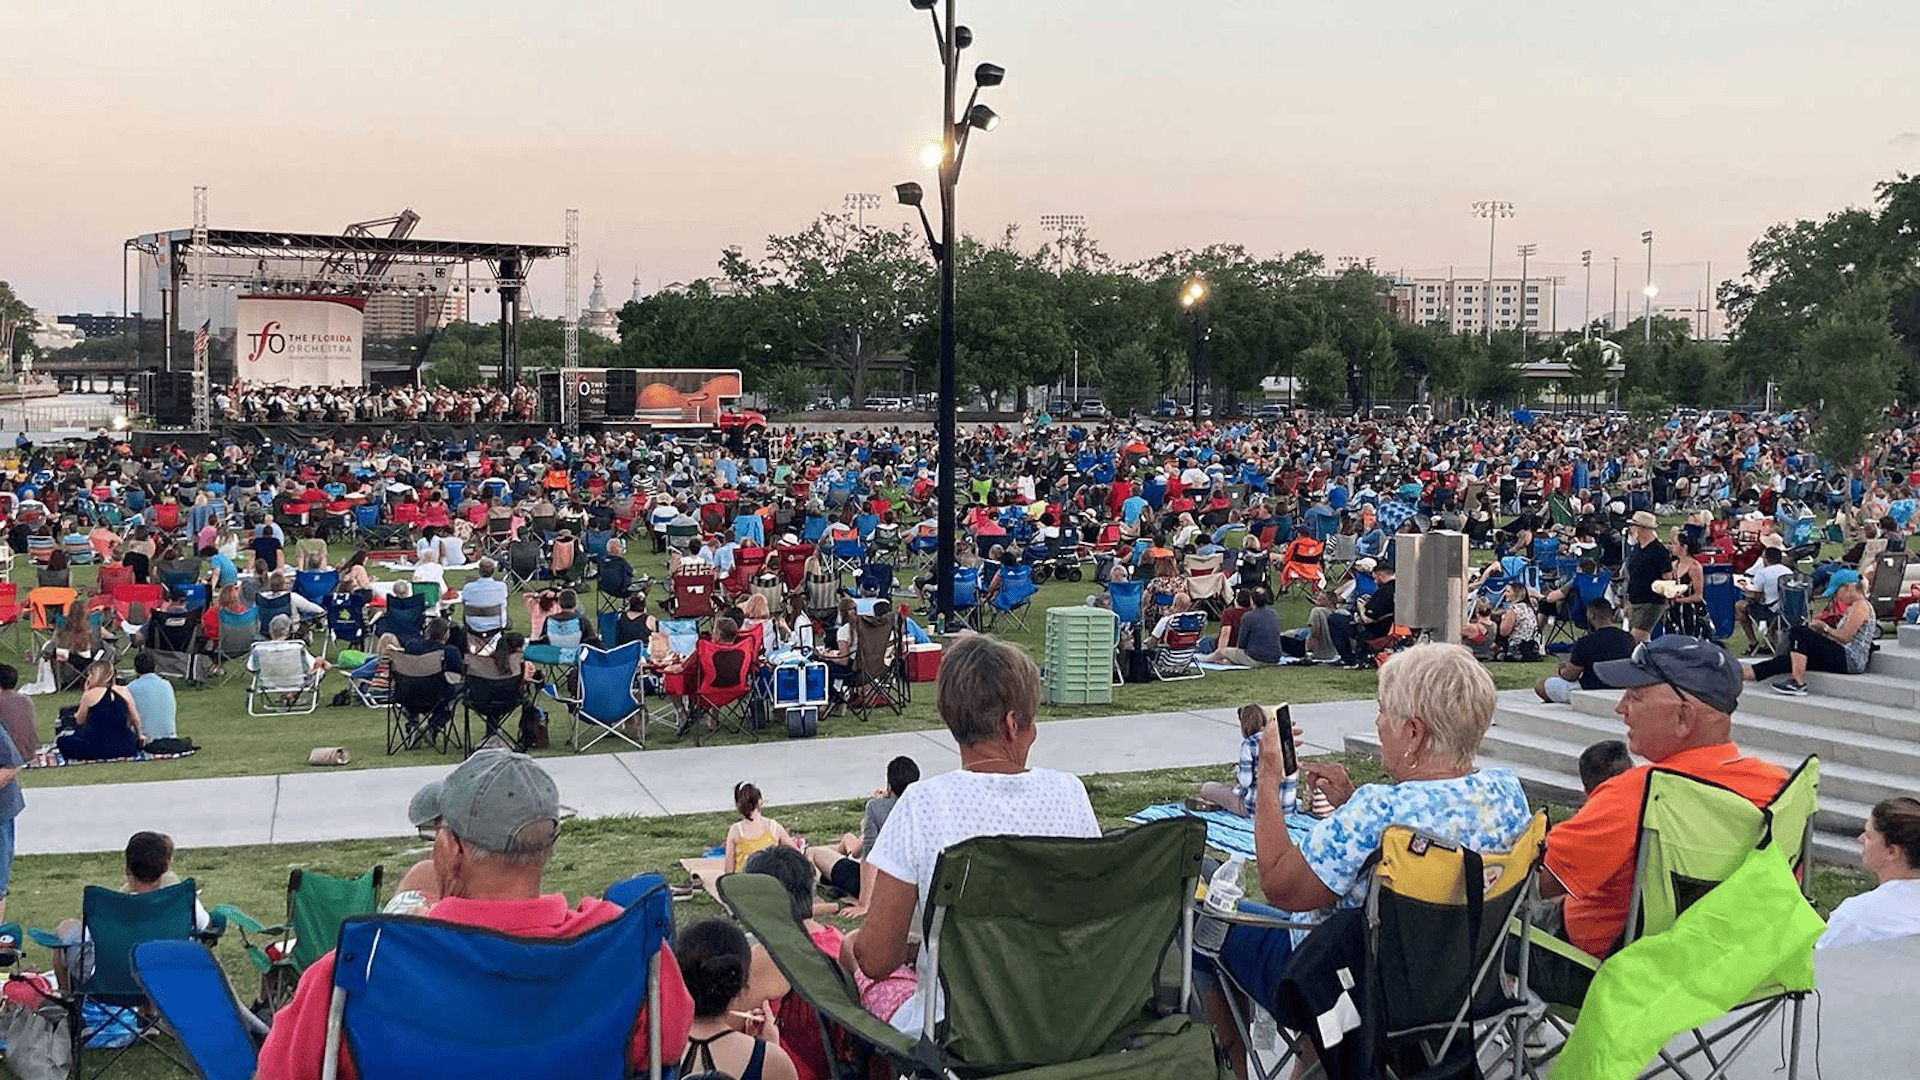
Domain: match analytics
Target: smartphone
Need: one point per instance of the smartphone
(1289, 757)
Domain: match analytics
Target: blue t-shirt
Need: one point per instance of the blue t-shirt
(153, 697)
(229, 573)
(1485, 810)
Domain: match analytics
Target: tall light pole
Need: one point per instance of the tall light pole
(1526, 251)
(1061, 225)
(1613, 312)
(1194, 298)
(1493, 210)
(948, 155)
(1586, 313)
(1647, 239)
(858, 203)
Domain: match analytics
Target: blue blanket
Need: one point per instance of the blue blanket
(1229, 832)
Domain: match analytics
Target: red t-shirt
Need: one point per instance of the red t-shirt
(1593, 853)
(297, 1044)
(1230, 625)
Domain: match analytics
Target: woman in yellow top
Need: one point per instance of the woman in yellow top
(754, 831)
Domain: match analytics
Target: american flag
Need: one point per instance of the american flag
(200, 342)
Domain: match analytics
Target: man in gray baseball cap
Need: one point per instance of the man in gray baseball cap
(1681, 693)
(494, 821)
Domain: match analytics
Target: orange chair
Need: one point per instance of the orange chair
(1303, 560)
(48, 604)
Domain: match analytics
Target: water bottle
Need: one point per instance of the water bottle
(1223, 895)
(1263, 1033)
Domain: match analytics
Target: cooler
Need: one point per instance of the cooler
(923, 663)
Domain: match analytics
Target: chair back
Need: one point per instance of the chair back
(1443, 912)
(271, 607)
(406, 616)
(346, 615)
(192, 994)
(113, 574)
(279, 666)
(172, 631)
(553, 1006)
(565, 633)
(726, 671)
(1011, 920)
(683, 635)
(318, 903)
(524, 557)
(48, 603)
(115, 922)
(1126, 597)
(793, 563)
(173, 571)
(876, 579)
(607, 696)
(876, 642)
(493, 686)
(238, 631)
(693, 592)
(420, 681)
(1016, 587)
(966, 587)
(316, 585)
(616, 575)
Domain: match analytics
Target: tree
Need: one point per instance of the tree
(1132, 380)
(1322, 373)
(1846, 368)
(453, 363)
(788, 387)
(1008, 329)
(1589, 371)
(834, 294)
(15, 316)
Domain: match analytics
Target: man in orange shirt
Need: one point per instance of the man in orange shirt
(1680, 696)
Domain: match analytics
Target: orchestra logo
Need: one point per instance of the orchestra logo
(268, 340)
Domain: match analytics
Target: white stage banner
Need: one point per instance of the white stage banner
(299, 340)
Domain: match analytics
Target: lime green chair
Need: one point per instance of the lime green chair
(316, 906)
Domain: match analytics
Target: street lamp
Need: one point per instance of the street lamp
(1646, 238)
(1493, 210)
(1193, 298)
(946, 156)
(1586, 317)
(1652, 291)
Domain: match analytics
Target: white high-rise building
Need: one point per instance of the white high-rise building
(1466, 303)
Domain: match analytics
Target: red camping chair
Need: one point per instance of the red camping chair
(725, 682)
(793, 563)
(692, 593)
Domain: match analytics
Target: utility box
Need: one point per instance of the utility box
(1432, 594)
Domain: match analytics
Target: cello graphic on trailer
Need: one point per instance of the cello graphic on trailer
(689, 399)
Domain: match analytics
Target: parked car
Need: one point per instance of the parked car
(1059, 407)
(1268, 412)
(1167, 408)
(1093, 409)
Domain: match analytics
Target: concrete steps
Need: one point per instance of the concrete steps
(1864, 728)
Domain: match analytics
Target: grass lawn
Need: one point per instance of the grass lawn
(235, 744)
(592, 854)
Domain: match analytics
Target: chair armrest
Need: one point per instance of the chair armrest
(247, 924)
(1249, 919)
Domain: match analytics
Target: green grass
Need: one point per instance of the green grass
(235, 744)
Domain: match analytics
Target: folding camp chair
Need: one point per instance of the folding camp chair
(614, 576)
(404, 617)
(1014, 598)
(1302, 561)
(111, 924)
(525, 559)
(680, 538)
(1337, 556)
(693, 591)
(316, 906)
(171, 637)
(193, 998)
(848, 556)
(316, 585)
(238, 631)
(876, 579)
(609, 696)
(1885, 587)
(1693, 835)
(47, 605)
(966, 595)
(421, 703)
(346, 619)
(1206, 584)
(1176, 656)
(723, 684)
(1007, 922)
(494, 698)
(283, 682)
(1436, 925)
(793, 563)
(551, 1006)
(879, 677)
(1583, 590)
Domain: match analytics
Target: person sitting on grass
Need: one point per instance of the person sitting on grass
(1238, 799)
(107, 723)
(754, 831)
(730, 1035)
(842, 864)
(1602, 762)
(1840, 641)
(495, 821)
(1257, 641)
(1604, 642)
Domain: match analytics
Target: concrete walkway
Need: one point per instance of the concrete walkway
(372, 803)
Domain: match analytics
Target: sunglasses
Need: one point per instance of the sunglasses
(1642, 658)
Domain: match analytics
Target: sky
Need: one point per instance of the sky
(678, 129)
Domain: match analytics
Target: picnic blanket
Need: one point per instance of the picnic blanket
(705, 873)
(54, 759)
(1227, 831)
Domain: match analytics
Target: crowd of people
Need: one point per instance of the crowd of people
(1135, 502)
(244, 403)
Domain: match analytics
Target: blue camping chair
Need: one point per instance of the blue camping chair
(195, 595)
(966, 594)
(609, 696)
(864, 524)
(406, 616)
(749, 527)
(316, 585)
(876, 579)
(1716, 586)
(1014, 597)
(848, 556)
(1126, 597)
(271, 608)
(346, 618)
(554, 1006)
(192, 994)
(813, 528)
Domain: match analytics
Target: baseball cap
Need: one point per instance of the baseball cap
(1839, 578)
(1698, 669)
(488, 799)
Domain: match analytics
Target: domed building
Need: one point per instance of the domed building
(597, 318)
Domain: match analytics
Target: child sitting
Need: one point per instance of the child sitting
(1238, 799)
(1603, 761)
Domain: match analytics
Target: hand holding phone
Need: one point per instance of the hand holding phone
(1289, 755)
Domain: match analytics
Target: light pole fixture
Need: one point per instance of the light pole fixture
(1586, 315)
(1061, 225)
(946, 156)
(1493, 210)
(1193, 298)
(858, 203)
(1525, 251)
(1646, 238)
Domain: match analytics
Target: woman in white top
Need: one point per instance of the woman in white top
(988, 694)
(1890, 847)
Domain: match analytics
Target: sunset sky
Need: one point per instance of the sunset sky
(677, 129)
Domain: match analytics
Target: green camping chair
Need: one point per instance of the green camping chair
(1694, 835)
(1048, 954)
(1560, 511)
(316, 906)
(112, 923)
